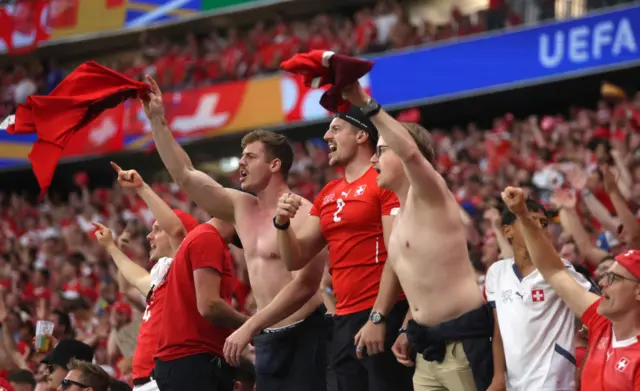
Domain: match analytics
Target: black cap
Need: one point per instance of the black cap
(68, 349)
(356, 117)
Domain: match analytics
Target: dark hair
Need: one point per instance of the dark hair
(246, 373)
(45, 274)
(422, 139)
(276, 145)
(91, 375)
(508, 217)
(65, 321)
(117, 385)
(22, 376)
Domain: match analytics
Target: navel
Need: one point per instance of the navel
(273, 255)
(407, 244)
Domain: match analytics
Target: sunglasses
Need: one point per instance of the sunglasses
(611, 277)
(66, 384)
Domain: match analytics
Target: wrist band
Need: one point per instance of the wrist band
(402, 330)
(281, 227)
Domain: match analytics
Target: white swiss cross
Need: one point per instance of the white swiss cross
(622, 364)
(360, 190)
(537, 295)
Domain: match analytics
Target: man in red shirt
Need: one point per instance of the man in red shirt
(613, 322)
(167, 233)
(353, 216)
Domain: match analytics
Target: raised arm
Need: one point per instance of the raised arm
(297, 248)
(630, 225)
(201, 188)
(425, 180)
(545, 257)
(166, 218)
(135, 274)
(565, 201)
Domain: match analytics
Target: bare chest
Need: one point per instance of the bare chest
(258, 235)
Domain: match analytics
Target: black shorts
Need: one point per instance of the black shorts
(293, 358)
(380, 372)
(194, 373)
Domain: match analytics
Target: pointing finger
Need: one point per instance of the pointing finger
(116, 167)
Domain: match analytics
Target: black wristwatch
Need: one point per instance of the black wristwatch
(282, 227)
(376, 317)
(402, 330)
(371, 108)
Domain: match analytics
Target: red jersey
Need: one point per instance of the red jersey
(184, 332)
(149, 333)
(611, 365)
(351, 222)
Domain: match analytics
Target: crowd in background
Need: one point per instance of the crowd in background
(52, 268)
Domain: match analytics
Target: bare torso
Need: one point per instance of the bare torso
(428, 251)
(267, 272)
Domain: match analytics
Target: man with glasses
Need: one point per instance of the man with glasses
(84, 376)
(534, 330)
(613, 321)
(58, 359)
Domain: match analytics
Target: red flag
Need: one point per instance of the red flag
(78, 100)
(319, 68)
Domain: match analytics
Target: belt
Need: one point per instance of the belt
(140, 381)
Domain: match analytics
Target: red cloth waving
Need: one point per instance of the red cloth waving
(319, 68)
(79, 99)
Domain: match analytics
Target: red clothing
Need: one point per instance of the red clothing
(611, 365)
(351, 220)
(149, 333)
(186, 332)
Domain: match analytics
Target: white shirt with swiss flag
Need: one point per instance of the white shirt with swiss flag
(537, 328)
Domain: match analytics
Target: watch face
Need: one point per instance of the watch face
(376, 317)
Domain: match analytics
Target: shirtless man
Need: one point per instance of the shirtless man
(451, 326)
(290, 353)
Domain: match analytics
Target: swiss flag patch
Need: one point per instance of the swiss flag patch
(537, 295)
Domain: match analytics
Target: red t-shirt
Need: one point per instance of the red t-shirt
(351, 221)
(611, 365)
(149, 333)
(185, 332)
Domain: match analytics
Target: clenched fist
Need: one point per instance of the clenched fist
(103, 234)
(288, 206)
(128, 179)
(515, 200)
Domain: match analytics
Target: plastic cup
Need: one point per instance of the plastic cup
(44, 332)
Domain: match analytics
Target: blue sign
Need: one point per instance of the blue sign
(494, 61)
(147, 12)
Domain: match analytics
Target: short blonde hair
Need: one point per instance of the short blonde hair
(91, 375)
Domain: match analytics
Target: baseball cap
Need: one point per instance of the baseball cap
(68, 349)
(356, 117)
(630, 261)
(123, 308)
(187, 220)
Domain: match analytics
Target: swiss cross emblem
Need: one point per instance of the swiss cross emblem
(537, 295)
(360, 190)
(622, 364)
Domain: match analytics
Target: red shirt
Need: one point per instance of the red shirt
(149, 333)
(185, 332)
(351, 221)
(611, 365)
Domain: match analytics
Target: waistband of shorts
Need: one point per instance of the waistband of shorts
(472, 324)
(318, 313)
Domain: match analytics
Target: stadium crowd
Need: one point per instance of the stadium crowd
(53, 268)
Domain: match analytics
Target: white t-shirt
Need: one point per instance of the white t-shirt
(536, 326)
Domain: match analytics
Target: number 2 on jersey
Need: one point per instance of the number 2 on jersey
(340, 204)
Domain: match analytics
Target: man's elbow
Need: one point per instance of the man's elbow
(212, 310)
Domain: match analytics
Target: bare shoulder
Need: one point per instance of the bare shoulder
(243, 202)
